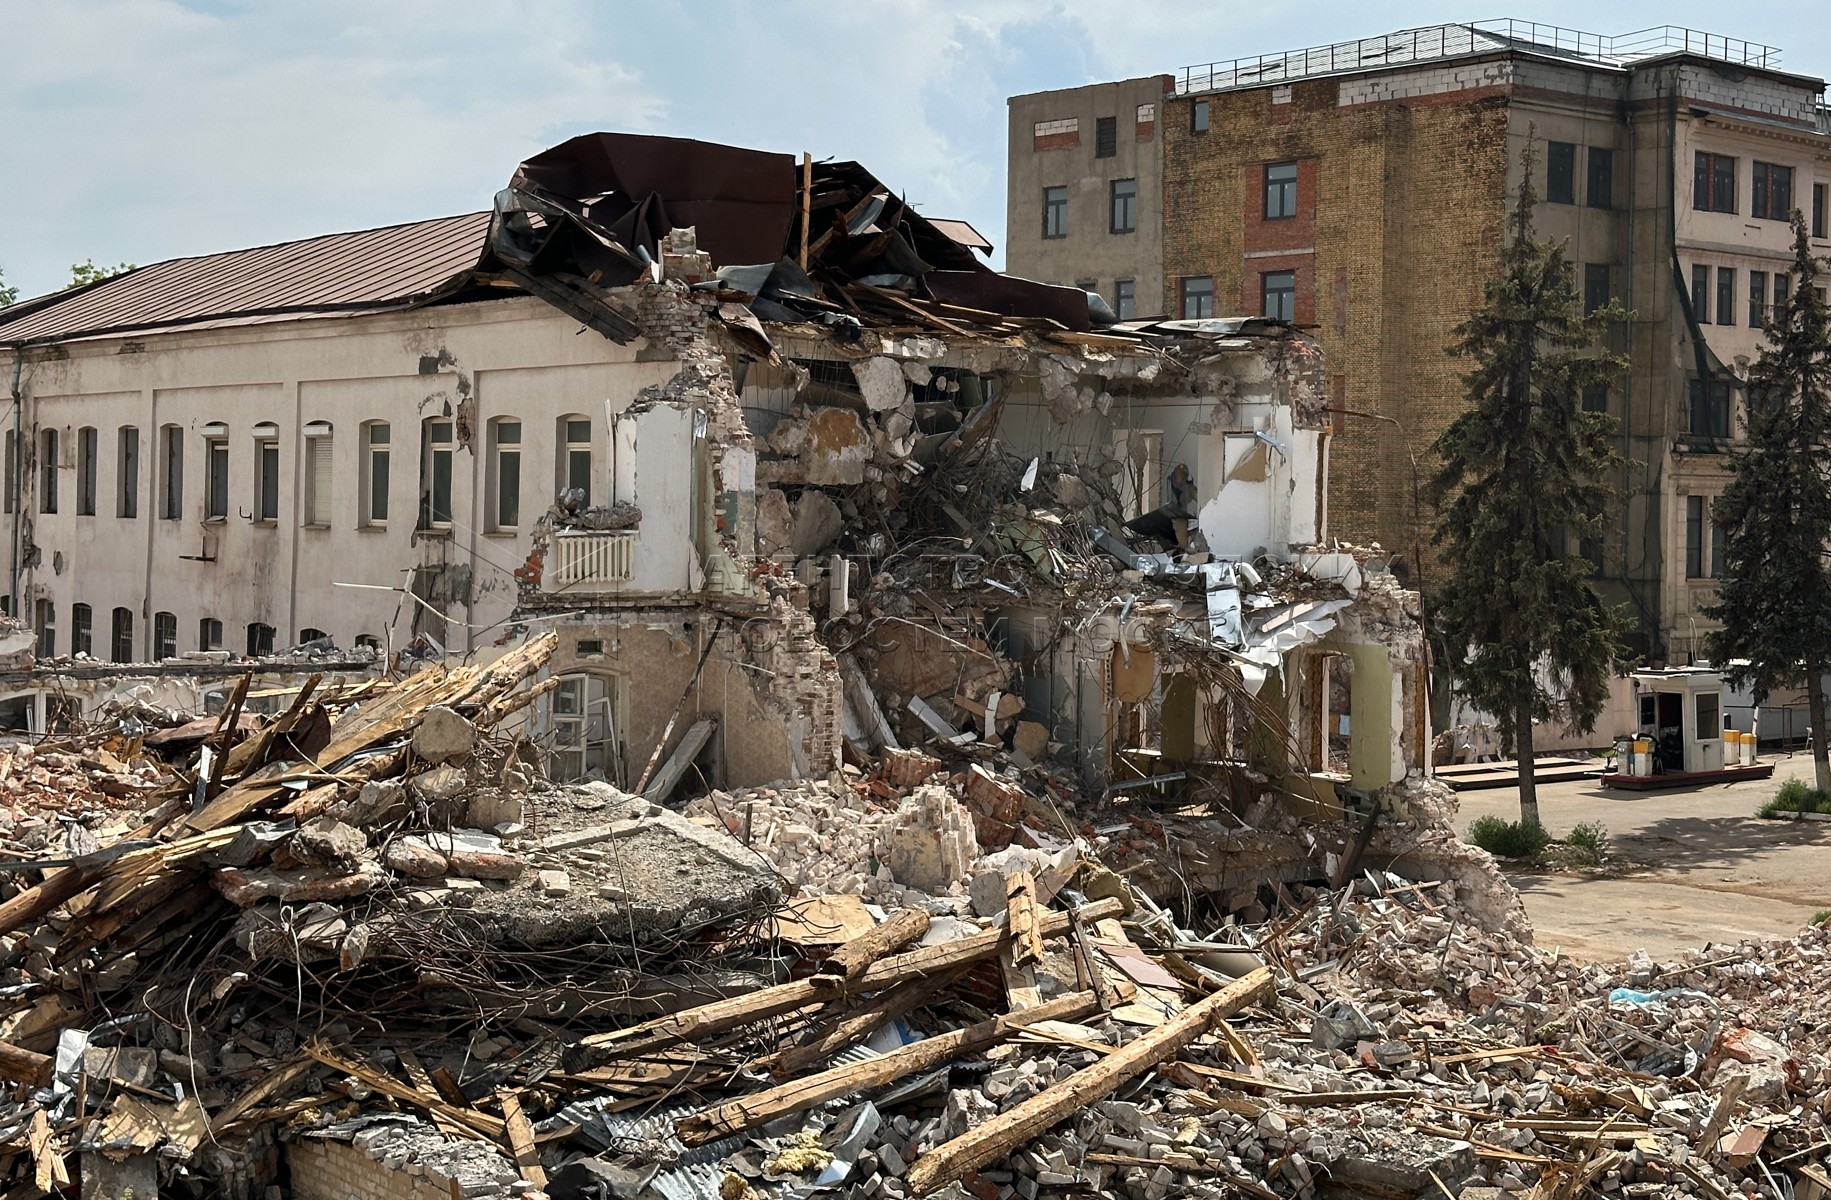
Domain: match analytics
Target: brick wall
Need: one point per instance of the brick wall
(326, 1170)
(1403, 205)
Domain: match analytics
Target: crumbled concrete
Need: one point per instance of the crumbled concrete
(444, 736)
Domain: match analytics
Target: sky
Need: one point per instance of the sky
(140, 130)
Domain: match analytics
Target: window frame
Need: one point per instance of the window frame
(1055, 211)
(216, 473)
(1114, 202)
(82, 629)
(1267, 291)
(1125, 299)
(1711, 175)
(319, 459)
(165, 636)
(1757, 298)
(1198, 117)
(1560, 172)
(209, 633)
(1599, 176)
(88, 469)
(376, 484)
(1285, 191)
(13, 491)
(127, 473)
(266, 474)
(504, 475)
(1709, 399)
(1762, 202)
(1700, 293)
(121, 635)
(260, 639)
(438, 454)
(47, 469)
(1821, 203)
(1591, 273)
(44, 620)
(1203, 296)
(576, 454)
(1726, 295)
(171, 472)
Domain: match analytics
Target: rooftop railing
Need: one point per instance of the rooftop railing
(1431, 42)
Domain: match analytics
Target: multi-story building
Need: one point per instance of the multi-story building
(1085, 195)
(1362, 189)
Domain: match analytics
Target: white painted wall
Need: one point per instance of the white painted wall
(514, 357)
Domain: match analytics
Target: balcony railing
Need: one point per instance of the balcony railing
(584, 560)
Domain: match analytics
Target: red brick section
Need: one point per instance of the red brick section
(1403, 203)
(1057, 141)
(1147, 130)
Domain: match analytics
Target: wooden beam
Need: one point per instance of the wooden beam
(807, 201)
(850, 961)
(721, 1015)
(1020, 908)
(853, 1078)
(521, 1140)
(854, 1027)
(1010, 1129)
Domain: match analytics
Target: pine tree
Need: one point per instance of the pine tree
(1523, 471)
(1774, 600)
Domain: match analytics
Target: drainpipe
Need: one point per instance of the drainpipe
(14, 493)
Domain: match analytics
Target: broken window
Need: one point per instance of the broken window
(575, 458)
(1198, 297)
(260, 640)
(1278, 294)
(215, 472)
(435, 474)
(1700, 293)
(582, 729)
(127, 474)
(122, 630)
(505, 474)
(45, 617)
(1106, 137)
(172, 485)
(82, 619)
(318, 474)
(1561, 172)
(86, 454)
(1125, 299)
(165, 636)
(375, 473)
(1055, 212)
(369, 640)
(1772, 195)
(309, 634)
(266, 472)
(1125, 205)
(209, 634)
(1713, 183)
(1280, 190)
(1601, 192)
(47, 470)
(1726, 295)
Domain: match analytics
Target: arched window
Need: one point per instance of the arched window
(209, 634)
(122, 632)
(165, 636)
(308, 634)
(47, 470)
(82, 619)
(127, 472)
(86, 445)
(260, 640)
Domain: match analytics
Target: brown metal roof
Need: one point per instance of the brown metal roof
(962, 232)
(337, 273)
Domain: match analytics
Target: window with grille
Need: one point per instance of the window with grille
(165, 636)
(122, 636)
(82, 622)
(260, 640)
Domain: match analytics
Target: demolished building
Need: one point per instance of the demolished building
(822, 475)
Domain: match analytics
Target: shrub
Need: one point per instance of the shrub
(1821, 916)
(1795, 795)
(1508, 839)
(1591, 836)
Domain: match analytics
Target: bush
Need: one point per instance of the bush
(1821, 916)
(1795, 795)
(1591, 836)
(1508, 839)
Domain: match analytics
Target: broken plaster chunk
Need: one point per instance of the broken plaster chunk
(554, 883)
(443, 735)
(881, 382)
(327, 840)
(441, 783)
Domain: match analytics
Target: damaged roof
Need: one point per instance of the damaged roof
(336, 274)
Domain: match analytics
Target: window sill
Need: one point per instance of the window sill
(264, 522)
(318, 525)
(502, 533)
(216, 520)
(433, 531)
(372, 527)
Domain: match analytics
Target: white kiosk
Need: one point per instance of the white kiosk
(1679, 719)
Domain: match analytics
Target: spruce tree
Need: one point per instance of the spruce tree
(1523, 473)
(1774, 599)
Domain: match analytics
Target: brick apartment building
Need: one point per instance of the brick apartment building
(1362, 189)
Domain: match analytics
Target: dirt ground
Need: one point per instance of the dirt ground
(1692, 866)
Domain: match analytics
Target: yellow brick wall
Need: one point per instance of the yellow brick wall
(1410, 202)
(325, 1170)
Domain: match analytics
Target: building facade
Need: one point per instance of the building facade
(1084, 191)
(1362, 189)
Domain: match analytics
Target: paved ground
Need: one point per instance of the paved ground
(1698, 866)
